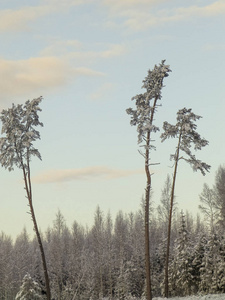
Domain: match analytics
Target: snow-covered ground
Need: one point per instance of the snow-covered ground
(205, 297)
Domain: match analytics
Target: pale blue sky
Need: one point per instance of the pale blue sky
(87, 58)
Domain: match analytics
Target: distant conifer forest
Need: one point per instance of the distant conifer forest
(107, 259)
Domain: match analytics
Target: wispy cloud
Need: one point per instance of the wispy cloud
(113, 50)
(58, 47)
(214, 9)
(37, 75)
(118, 5)
(57, 65)
(86, 72)
(141, 15)
(74, 49)
(21, 19)
(90, 173)
(134, 14)
(102, 92)
(17, 20)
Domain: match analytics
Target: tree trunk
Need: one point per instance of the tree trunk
(42, 252)
(29, 196)
(147, 248)
(147, 201)
(170, 221)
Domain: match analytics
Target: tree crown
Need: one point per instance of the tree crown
(185, 130)
(141, 116)
(18, 125)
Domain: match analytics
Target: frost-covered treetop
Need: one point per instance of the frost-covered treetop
(153, 83)
(141, 116)
(185, 131)
(18, 126)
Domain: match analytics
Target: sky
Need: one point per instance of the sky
(88, 58)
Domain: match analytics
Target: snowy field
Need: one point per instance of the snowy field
(205, 297)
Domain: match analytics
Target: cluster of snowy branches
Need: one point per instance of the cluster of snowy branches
(108, 260)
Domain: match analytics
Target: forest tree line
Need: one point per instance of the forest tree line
(107, 260)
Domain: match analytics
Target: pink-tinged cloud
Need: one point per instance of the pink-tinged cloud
(35, 76)
(19, 20)
(89, 173)
(22, 19)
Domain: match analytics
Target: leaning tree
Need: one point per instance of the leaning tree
(143, 117)
(16, 149)
(188, 138)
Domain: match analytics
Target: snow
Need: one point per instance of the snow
(205, 297)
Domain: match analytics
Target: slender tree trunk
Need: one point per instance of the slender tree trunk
(29, 196)
(170, 220)
(147, 201)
